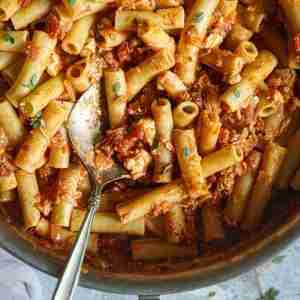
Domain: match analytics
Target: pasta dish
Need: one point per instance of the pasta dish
(202, 111)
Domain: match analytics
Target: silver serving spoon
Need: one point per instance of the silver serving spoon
(83, 125)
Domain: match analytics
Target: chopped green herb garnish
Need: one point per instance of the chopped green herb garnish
(211, 294)
(72, 2)
(237, 93)
(155, 143)
(32, 82)
(97, 137)
(8, 38)
(278, 259)
(186, 152)
(116, 88)
(36, 121)
(270, 294)
(198, 17)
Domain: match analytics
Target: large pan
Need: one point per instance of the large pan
(281, 228)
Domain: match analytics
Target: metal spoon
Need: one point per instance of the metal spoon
(83, 125)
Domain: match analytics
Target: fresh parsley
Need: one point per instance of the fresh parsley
(198, 17)
(211, 294)
(72, 2)
(32, 82)
(36, 121)
(278, 259)
(270, 294)
(8, 38)
(116, 88)
(155, 143)
(237, 93)
(186, 152)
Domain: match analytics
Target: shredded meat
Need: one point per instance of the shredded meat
(296, 42)
(53, 28)
(24, 3)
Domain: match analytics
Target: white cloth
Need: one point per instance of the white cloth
(17, 280)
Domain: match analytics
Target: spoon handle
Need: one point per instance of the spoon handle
(69, 279)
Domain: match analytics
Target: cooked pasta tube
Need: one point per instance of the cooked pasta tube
(261, 194)
(237, 35)
(106, 222)
(60, 151)
(8, 182)
(252, 17)
(212, 224)
(168, 3)
(185, 114)
(175, 225)
(77, 36)
(7, 58)
(221, 159)
(68, 180)
(155, 37)
(163, 158)
(189, 161)
(8, 196)
(273, 123)
(11, 124)
(8, 9)
(112, 38)
(140, 75)
(198, 21)
(267, 107)
(167, 18)
(236, 205)
(154, 249)
(172, 84)
(290, 10)
(291, 162)
(11, 72)
(13, 41)
(209, 126)
(36, 143)
(115, 89)
(33, 67)
(275, 42)
(66, 237)
(247, 51)
(42, 95)
(28, 192)
(35, 10)
(186, 62)
(138, 4)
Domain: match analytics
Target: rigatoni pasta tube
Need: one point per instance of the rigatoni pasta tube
(138, 4)
(33, 67)
(68, 180)
(35, 10)
(36, 143)
(105, 222)
(291, 162)
(209, 126)
(77, 36)
(12, 125)
(42, 95)
(175, 225)
(172, 84)
(167, 19)
(247, 51)
(189, 161)
(221, 159)
(155, 37)
(236, 205)
(115, 89)
(7, 58)
(237, 35)
(154, 249)
(13, 41)
(163, 158)
(8, 9)
(28, 191)
(251, 18)
(185, 113)
(171, 194)
(8, 182)
(261, 194)
(140, 75)
(60, 151)
(212, 223)
(111, 38)
(11, 72)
